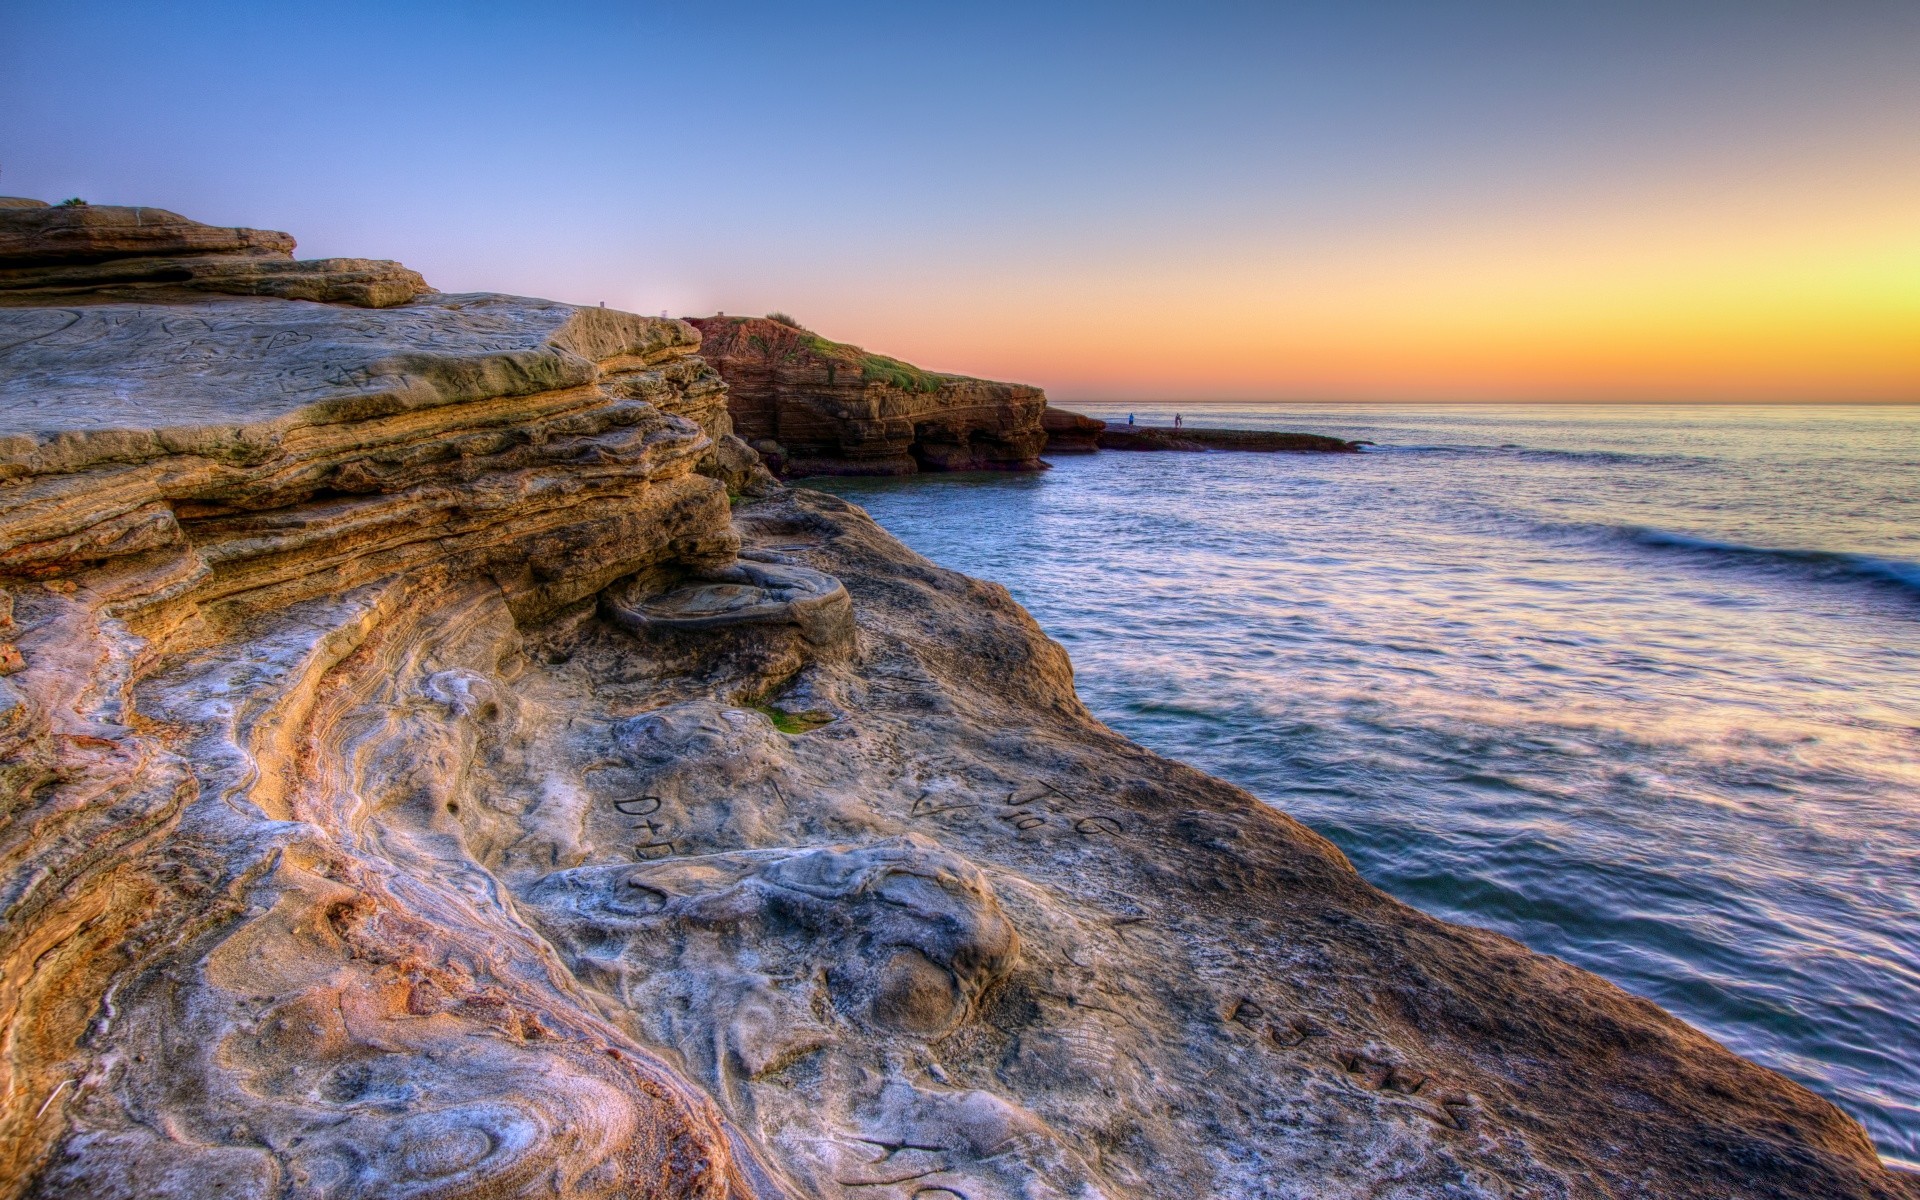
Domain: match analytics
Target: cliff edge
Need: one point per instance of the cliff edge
(817, 407)
(420, 781)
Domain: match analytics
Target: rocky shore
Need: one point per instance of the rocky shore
(1192, 439)
(438, 761)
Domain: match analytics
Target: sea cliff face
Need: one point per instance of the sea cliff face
(815, 407)
(418, 781)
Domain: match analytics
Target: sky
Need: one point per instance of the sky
(1538, 201)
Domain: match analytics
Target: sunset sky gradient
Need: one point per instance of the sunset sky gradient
(1539, 201)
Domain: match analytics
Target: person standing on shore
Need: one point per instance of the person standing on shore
(1176, 420)
(1129, 420)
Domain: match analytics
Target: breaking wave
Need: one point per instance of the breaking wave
(1824, 565)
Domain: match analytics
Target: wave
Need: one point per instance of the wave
(1892, 573)
(1605, 458)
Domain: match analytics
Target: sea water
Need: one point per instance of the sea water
(1637, 686)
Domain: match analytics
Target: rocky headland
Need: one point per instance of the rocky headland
(816, 407)
(438, 762)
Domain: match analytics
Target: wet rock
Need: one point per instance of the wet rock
(353, 844)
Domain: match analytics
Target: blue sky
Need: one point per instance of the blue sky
(1041, 190)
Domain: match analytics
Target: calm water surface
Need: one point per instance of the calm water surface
(1639, 687)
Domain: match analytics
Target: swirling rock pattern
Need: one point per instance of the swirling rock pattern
(352, 845)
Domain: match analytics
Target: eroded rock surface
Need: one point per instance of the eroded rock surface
(419, 782)
(74, 252)
(817, 407)
(1071, 432)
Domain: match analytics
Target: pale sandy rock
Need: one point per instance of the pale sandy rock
(358, 840)
(87, 252)
(730, 598)
(33, 233)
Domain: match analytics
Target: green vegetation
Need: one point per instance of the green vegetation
(780, 318)
(876, 368)
(793, 723)
(72, 202)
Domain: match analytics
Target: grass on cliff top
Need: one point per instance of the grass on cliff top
(874, 368)
(878, 368)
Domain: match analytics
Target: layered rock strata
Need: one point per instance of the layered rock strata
(69, 253)
(815, 407)
(419, 782)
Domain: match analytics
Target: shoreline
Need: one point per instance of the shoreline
(477, 774)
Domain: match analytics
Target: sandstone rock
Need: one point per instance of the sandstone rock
(739, 467)
(817, 407)
(731, 598)
(244, 504)
(32, 234)
(354, 844)
(74, 253)
(1070, 432)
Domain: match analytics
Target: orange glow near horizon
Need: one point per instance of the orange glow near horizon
(1797, 307)
(1391, 201)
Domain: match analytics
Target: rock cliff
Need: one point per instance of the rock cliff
(1071, 432)
(70, 253)
(815, 407)
(418, 781)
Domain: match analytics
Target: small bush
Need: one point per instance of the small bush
(780, 318)
(793, 723)
(72, 202)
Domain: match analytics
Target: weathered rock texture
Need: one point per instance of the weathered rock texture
(1071, 432)
(418, 783)
(68, 252)
(815, 407)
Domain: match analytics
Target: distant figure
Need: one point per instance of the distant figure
(1129, 420)
(1176, 420)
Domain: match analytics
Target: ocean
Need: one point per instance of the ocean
(1638, 686)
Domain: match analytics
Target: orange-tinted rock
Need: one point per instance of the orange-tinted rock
(1071, 432)
(419, 781)
(816, 407)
